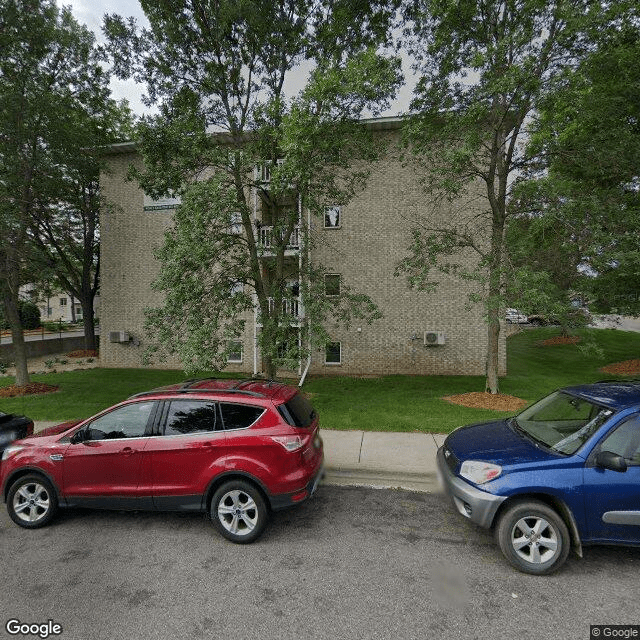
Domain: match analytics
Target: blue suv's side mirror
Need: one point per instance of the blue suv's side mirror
(612, 461)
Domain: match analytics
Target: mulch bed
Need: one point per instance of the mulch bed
(83, 353)
(559, 340)
(625, 368)
(480, 400)
(26, 390)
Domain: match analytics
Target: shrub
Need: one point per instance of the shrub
(29, 315)
(52, 326)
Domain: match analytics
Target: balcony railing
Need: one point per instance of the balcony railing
(290, 307)
(268, 239)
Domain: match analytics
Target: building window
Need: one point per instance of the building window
(333, 353)
(263, 170)
(63, 302)
(332, 216)
(235, 351)
(332, 284)
(236, 223)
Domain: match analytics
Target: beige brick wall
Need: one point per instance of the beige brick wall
(373, 237)
(128, 238)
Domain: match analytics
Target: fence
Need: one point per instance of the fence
(39, 348)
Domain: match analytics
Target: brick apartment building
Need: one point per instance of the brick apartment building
(436, 333)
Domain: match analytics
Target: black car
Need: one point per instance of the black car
(13, 427)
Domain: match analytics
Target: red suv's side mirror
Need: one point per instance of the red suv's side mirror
(79, 436)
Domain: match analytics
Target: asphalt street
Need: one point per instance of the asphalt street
(352, 563)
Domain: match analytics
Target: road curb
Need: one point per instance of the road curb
(423, 482)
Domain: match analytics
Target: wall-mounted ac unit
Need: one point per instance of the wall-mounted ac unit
(119, 336)
(434, 338)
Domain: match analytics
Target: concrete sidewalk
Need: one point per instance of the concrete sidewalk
(381, 459)
(374, 458)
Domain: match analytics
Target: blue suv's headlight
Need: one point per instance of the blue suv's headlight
(479, 472)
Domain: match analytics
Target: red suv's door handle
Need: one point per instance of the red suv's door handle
(127, 451)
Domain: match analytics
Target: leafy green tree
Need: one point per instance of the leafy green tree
(66, 233)
(53, 96)
(484, 68)
(226, 131)
(584, 189)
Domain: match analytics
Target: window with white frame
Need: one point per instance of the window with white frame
(332, 217)
(332, 284)
(235, 351)
(63, 302)
(333, 353)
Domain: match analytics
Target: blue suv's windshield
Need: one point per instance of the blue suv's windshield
(561, 421)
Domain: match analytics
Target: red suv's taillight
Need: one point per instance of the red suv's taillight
(290, 443)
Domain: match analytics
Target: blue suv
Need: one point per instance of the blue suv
(563, 473)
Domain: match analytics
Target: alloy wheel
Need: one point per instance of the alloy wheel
(31, 502)
(534, 540)
(238, 512)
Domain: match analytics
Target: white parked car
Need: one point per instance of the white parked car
(513, 316)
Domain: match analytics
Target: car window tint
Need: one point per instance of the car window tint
(239, 416)
(298, 411)
(129, 421)
(191, 416)
(625, 441)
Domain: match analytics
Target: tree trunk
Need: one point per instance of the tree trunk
(17, 336)
(493, 304)
(493, 343)
(89, 325)
(269, 367)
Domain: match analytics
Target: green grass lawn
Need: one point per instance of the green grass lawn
(390, 403)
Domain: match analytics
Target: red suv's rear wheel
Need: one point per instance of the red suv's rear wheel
(238, 511)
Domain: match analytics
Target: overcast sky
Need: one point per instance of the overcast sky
(91, 12)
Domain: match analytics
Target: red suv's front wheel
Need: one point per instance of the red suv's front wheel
(31, 501)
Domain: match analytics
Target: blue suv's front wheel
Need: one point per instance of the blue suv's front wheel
(533, 537)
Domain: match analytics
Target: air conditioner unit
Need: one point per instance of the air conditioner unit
(434, 338)
(119, 336)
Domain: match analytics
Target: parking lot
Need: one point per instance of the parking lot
(351, 563)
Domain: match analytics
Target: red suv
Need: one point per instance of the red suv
(236, 449)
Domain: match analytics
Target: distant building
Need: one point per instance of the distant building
(434, 333)
(58, 306)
